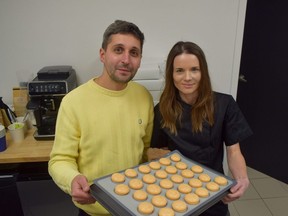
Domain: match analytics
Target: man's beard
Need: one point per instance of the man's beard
(120, 79)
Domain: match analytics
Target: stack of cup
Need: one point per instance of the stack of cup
(2, 138)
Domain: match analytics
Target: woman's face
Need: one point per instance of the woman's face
(187, 76)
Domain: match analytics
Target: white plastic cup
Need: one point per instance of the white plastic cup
(2, 138)
(17, 131)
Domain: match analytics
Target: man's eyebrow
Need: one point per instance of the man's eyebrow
(136, 48)
(119, 44)
(122, 45)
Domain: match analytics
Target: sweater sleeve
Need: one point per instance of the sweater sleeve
(63, 165)
(147, 138)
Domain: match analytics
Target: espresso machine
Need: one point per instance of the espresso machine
(46, 91)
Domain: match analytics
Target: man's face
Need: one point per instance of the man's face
(122, 57)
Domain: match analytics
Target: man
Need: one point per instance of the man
(104, 125)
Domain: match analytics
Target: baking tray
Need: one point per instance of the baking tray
(102, 190)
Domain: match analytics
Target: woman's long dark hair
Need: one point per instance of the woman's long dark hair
(169, 105)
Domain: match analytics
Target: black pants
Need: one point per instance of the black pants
(82, 213)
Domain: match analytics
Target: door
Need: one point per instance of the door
(263, 86)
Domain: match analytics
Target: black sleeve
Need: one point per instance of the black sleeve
(236, 127)
(159, 138)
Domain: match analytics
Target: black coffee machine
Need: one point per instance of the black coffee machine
(46, 92)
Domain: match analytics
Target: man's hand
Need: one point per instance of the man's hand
(156, 153)
(80, 190)
(237, 191)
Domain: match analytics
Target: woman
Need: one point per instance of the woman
(193, 119)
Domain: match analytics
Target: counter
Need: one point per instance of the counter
(25, 161)
(30, 150)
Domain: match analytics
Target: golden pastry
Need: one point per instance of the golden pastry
(212, 186)
(166, 183)
(187, 173)
(197, 169)
(145, 208)
(204, 177)
(192, 198)
(171, 169)
(131, 173)
(181, 165)
(184, 188)
(175, 157)
(202, 192)
(149, 179)
(155, 165)
(153, 189)
(121, 189)
(221, 180)
(176, 178)
(179, 206)
(165, 161)
(195, 183)
(172, 194)
(144, 169)
(135, 184)
(140, 195)
(161, 174)
(166, 212)
(117, 177)
(159, 201)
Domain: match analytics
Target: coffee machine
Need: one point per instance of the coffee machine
(46, 91)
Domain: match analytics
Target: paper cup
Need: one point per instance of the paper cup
(17, 131)
(2, 138)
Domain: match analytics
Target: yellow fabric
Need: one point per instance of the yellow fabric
(99, 132)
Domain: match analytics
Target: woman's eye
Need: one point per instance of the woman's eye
(195, 69)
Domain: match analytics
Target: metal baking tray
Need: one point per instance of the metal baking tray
(102, 190)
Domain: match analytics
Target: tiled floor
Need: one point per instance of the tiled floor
(265, 197)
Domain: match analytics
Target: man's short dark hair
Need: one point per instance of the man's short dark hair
(122, 27)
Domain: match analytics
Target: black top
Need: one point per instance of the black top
(230, 127)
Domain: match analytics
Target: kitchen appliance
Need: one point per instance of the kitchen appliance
(46, 91)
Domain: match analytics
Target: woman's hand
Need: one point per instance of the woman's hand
(156, 153)
(237, 166)
(237, 191)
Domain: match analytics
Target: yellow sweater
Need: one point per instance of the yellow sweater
(99, 132)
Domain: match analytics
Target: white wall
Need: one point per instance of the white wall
(38, 33)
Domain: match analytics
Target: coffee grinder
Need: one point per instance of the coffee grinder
(46, 91)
